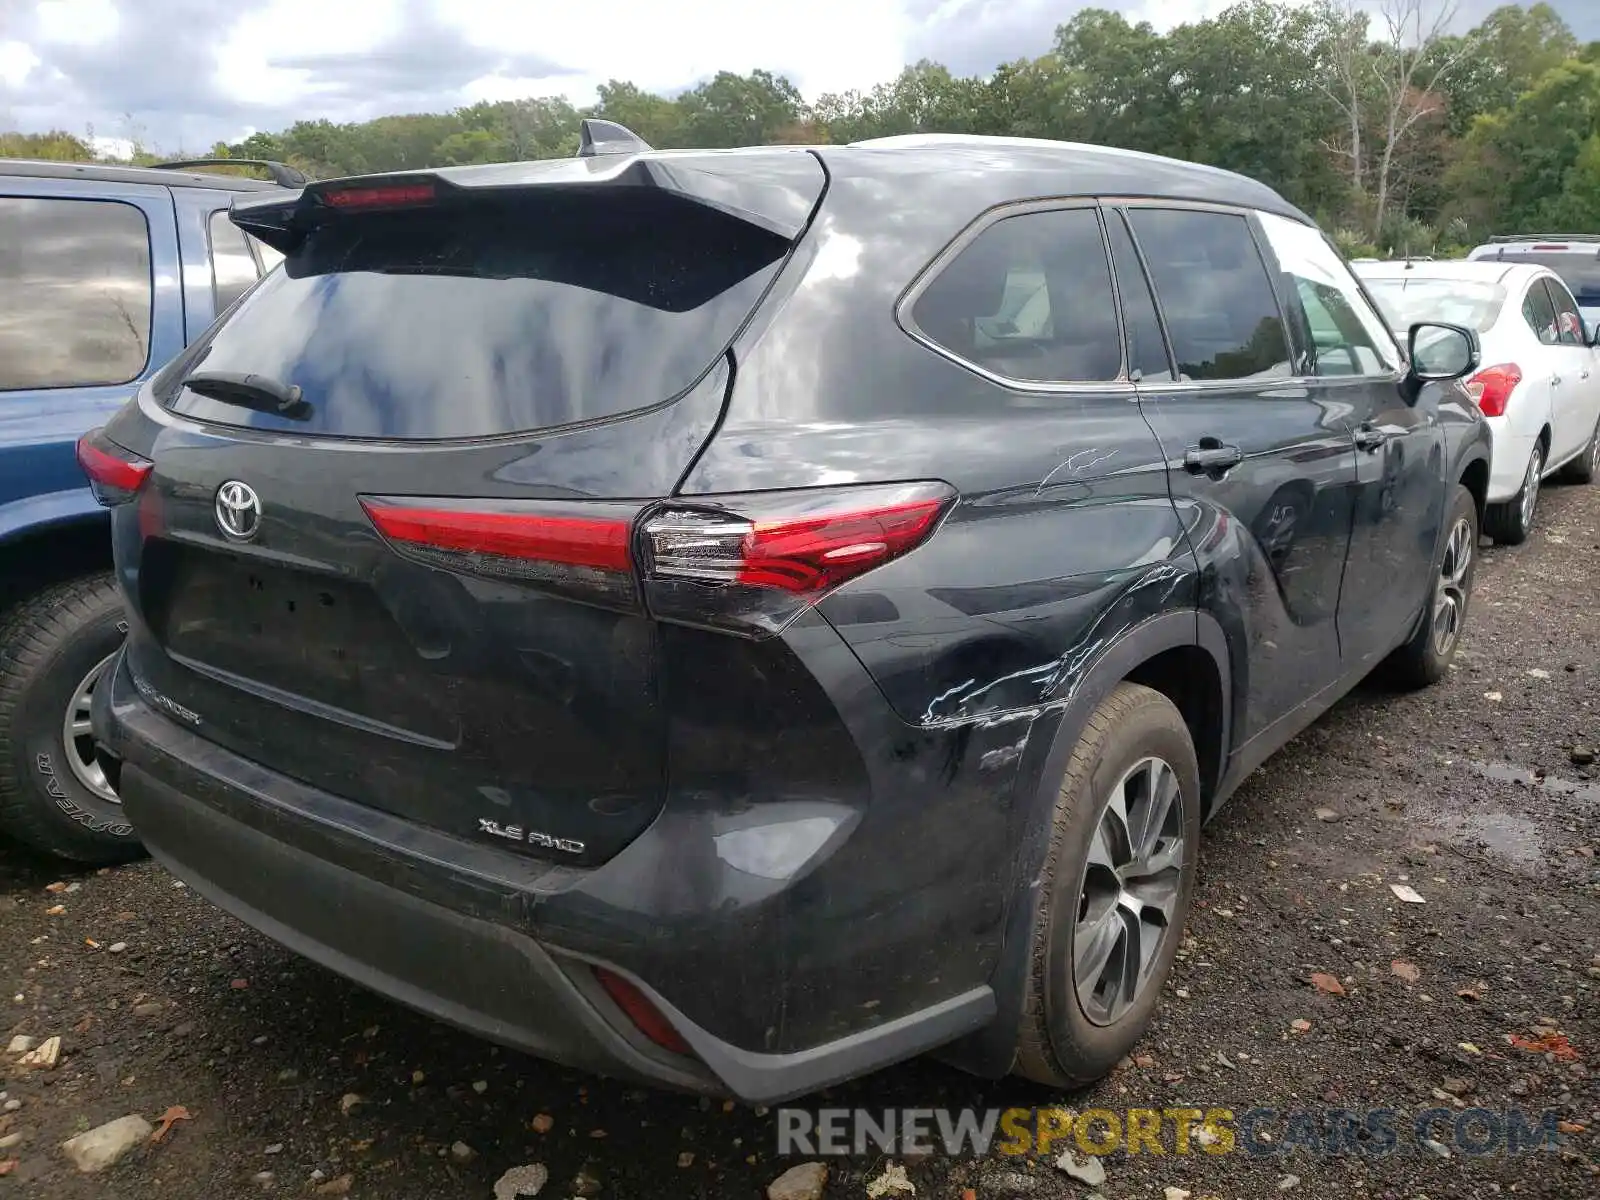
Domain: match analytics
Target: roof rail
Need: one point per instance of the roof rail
(282, 175)
(598, 138)
(1546, 237)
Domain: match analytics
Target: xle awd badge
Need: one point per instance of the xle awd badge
(533, 837)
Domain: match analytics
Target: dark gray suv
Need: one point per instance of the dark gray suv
(738, 619)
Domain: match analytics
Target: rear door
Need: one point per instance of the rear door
(89, 306)
(1399, 493)
(1263, 461)
(1577, 396)
(412, 586)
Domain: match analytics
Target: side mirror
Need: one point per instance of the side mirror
(1440, 352)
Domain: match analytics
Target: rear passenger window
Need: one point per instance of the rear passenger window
(1214, 291)
(1540, 314)
(1029, 298)
(1569, 325)
(75, 293)
(233, 267)
(1147, 353)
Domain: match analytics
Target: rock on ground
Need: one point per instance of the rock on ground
(104, 1145)
(804, 1182)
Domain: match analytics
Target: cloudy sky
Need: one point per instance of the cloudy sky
(185, 73)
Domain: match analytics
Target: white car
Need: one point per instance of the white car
(1539, 382)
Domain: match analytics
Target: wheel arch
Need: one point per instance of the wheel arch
(36, 555)
(1183, 655)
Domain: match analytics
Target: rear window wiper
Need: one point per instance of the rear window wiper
(260, 392)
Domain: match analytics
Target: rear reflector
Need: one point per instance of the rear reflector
(1491, 388)
(386, 196)
(645, 1016)
(115, 474)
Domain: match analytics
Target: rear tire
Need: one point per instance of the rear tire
(1077, 1023)
(1426, 658)
(1586, 466)
(50, 647)
(1511, 523)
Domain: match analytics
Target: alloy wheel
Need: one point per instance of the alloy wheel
(78, 736)
(1129, 893)
(1450, 590)
(1530, 487)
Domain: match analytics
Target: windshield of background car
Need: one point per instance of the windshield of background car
(1406, 300)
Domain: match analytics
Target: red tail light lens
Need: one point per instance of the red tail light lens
(753, 562)
(748, 564)
(1491, 387)
(645, 1016)
(578, 549)
(115, 474)
(403, 195)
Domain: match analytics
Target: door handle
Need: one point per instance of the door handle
(1556, 379)
(1369, 438)
(1211, 457)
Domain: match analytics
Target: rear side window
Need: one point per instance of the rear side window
(1540, 314)
(1214, 291)
(1029, 298)
(1147, 353)
(491, 316)
(233, 267)
(75, 293)
(1569, 325)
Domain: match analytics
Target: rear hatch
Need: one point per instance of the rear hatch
(385, 552)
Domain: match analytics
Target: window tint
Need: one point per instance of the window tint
(1215, 293)
(1346, 336)
(1540, 314)
(233, 267)
(500, 315)
(1147, 352)
(1569, 325)
(1029, 298)
(74, 293)
(1580, 272)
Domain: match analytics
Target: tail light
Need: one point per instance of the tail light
(115, 474)
(752, 563)
(748, 563)
(645, 1016)
(1491, 387)
(581, 550)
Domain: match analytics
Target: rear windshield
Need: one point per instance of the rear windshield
(1580, 272)
(1404, 302)
(488, 317)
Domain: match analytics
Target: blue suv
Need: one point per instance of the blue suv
(106, 272)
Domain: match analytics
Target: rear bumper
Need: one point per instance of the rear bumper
(497, 944)
(1508, 459)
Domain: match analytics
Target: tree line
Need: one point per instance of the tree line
(1394, 131)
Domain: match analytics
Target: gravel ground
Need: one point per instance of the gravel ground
(1469, 793)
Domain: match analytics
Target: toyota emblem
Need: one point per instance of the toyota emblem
(238, 510)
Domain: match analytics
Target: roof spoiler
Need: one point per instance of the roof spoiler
(282, 174)
(599, 138)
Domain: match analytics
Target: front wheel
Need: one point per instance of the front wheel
(1426, 657)
(1512, 522)
(54, 796)
(1117, 884)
